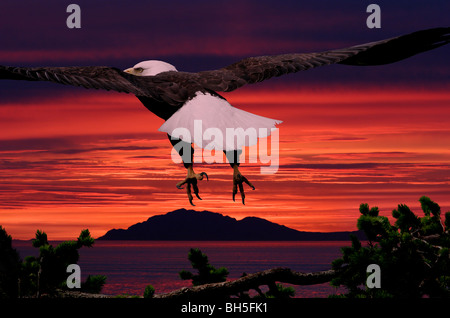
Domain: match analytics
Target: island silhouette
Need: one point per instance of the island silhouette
(191, 225)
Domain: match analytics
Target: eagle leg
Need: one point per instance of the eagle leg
(238, 178)
(191, 180)
(186, 152)
(238, 181)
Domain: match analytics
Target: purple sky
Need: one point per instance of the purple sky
(350, 134)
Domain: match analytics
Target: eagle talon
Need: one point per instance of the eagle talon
(137, 80)
(191, 180)
(238, 181)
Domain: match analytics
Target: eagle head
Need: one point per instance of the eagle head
(150, 68)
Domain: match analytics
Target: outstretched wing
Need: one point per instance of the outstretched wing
(176, 87)
(256, 69)
(98, 77)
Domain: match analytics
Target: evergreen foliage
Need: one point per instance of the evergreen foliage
(93, 284)
(413, 254)
(9, 266)
(149, 291)
(207, 273)
(45, 273)
(279, 291)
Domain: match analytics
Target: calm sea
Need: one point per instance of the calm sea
(132, 265)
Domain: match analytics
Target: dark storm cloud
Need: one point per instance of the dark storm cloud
(166, 28)
(199, 35)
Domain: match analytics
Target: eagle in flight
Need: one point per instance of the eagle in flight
(181, 98)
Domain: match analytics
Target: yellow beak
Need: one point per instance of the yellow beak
(129, 70)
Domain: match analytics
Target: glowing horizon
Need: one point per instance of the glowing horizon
(80, 166)
(72, 158)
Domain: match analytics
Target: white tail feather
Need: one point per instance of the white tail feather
(212, 123)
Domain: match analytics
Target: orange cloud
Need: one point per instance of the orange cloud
(95, 160)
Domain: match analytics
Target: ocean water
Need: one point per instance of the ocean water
(132, 265)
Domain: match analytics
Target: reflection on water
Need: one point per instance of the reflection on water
(132, 265)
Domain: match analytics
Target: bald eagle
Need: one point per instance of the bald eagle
(181, 98)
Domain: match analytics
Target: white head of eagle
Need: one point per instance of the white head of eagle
(150, 68)
(195, 113)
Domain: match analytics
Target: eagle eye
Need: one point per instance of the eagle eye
(139, 69)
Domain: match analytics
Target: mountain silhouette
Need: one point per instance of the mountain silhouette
(190, 225)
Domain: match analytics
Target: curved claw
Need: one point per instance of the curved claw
(194, 185)
(238, 182)
(191, 181)
(243, 198)
(189, 193)
(244, 179)
(241, 189)
(204, 174)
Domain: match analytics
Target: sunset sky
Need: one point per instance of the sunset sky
(72, 158)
